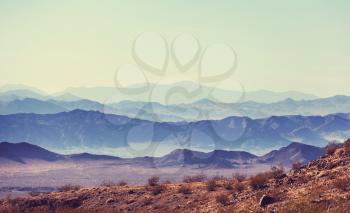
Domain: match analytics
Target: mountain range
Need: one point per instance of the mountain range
(92, 129)
(200, 110)
(296, 152)
(158, 91)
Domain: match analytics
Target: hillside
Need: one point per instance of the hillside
(320, 185)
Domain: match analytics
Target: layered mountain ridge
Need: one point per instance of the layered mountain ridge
(296, 152)
(94, 129)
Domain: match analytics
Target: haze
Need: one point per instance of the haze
(295, 45)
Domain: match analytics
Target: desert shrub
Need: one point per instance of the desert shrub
(211, 185)
(68, 187)
(260, 180)
(122, 183)
(228, 185)
(238, 186)
(223, 199)
(107, 183)
(239, 177)
(276, 172)
(156, 190)
(194, 178)
(331, 148)
(297, 165)
(147, 201)
(185, 189)
(153, 181)
(342, 183)
(167, 182)
(34, 194)
(218, 177)
(347, 146)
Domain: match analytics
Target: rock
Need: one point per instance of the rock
(322, 174)
(109, 200)
(266, 200)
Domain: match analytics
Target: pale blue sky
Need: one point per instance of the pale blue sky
(281, 45)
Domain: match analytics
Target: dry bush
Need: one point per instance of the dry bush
(229, 185)
(107, 183)
(239, 186)
(239, 177)
(277, 172)
(153, 181)
(218, 177)
(68, 187)
(194, 178)
(331, 148)
(223, 199)
(34, 194)
(342, 183)
(307, 206)
(167, 182)
(347, 146)
(297, 165)
(211, 185)
(11, 206)
(185, 189)
(122, 183)
(147, 201)
(260, 180)
(156, 190)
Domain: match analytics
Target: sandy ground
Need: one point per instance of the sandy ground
(92, 173)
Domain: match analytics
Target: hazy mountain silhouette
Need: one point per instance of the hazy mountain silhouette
(200, 110)
(97, 130)
(295, 152)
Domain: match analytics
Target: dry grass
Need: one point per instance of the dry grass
(156, 190)
(122, 183)
(68, 187)
(239, 177)
(347, 146)
(185, 189)
(228, 185)
(277, 172)
(239, 186)
(342, 184)
(259, 181)
(194, 178)
(219, 178)
(223, 199)
(331, 148)
(167, 182)
(211, 185)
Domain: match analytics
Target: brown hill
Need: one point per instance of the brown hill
(320, 186)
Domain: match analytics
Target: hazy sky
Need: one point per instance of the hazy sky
(281, 45)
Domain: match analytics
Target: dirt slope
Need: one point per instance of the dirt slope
(321, 186)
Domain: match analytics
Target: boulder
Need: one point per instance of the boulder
(266, 200)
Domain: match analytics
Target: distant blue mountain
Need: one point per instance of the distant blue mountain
(94, 129)
(160, 90)
(200, 110)
(295, 152)
(20, 152)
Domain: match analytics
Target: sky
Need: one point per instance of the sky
(280, 45)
